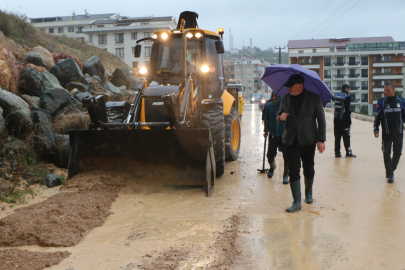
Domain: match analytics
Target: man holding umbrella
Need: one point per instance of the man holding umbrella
(302, 112)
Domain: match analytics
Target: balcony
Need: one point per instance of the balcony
(388, 63)
(354, 63)
(364, 75)
(355, 100)
(364, 63)
(327, 76)
(327, 64)
(389, 76)
(339, 63)
(339, 76)
(354, 88)
(353, 75)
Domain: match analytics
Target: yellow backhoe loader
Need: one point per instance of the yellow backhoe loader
(183, 122)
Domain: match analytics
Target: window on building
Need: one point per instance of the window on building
(352, 60)
(256, 67)
(80, 29)
(328, 84)
(147, 34)
(256, 81)
(339, 85)
(249, 81)
(364, 73)
(364, 97)
(249, 62)
(304, 61)
(377, 96)
(353, 96)
(144, 23)
(238, 69)
(134, 64)
(364, 85)
(102, 39)
(314, 50)
(315, 60)
(352, 85)
(71, 29)
(331, 49)
(300, 51)
(250, 88)
(340, 61)
(327, 74)
(60, 30)
(50, 30)
(119, 38)
(147, 51)
(119, 52)
(377, 59)
(100, 25)
(249, 75)
(134, 36)
(364, 60)
(388, 58)
(327, 62)
(249, 69)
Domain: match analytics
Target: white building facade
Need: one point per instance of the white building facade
(365, 64)
(116, 34)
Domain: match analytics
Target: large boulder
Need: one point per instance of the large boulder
(30, 82)
(44, 140)
(54, 99)
(68, 71)
(58, 57)
(94, 67)
(16, 113)
(122, 77)
(36, 59)
(81, 95)
(8, 70)
(61, 156)
(51, 180)
(45, 55)
(13, 145)
(73, 116)
(75, 85)
(111, 87)
(48, 80)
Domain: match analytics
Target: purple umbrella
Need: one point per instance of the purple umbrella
(276, 76)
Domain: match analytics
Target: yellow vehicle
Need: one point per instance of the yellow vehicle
(182, 117)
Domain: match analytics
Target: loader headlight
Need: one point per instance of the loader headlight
(154, 36)
(253, 99)
(165, 35)
(143, 71)
(198, 35)
(263, 101)
(189, 35)
(205, 69)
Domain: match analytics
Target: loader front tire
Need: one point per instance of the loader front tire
(232, 135)
(212, 118)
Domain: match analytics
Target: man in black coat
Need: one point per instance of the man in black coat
(342, 121)
(302, 111)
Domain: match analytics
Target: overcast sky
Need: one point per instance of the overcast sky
(268, 23)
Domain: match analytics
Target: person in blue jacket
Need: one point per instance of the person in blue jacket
(274, 131)
(390, 112)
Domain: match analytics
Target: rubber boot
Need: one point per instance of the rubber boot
(349, 153)
(391, 178)
(270, 173)
(296, 192)
(285, 174)
(308, 190)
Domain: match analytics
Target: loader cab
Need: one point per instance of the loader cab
(178, 54)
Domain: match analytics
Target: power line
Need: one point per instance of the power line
(338, 18)
(328, 18)
(313, 20)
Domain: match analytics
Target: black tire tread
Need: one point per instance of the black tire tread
(230, 153)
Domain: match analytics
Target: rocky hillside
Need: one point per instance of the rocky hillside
(42, 85)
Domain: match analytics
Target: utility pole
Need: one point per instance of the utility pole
(279, 53)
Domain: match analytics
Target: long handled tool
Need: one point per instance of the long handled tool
(263, 170)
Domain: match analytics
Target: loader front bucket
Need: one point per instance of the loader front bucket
(185, 157)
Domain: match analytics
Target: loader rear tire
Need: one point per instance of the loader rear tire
(232, 135)
(212, 117)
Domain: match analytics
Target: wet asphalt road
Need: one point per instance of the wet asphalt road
(356, 221)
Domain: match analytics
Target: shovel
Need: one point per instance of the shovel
(263, 170)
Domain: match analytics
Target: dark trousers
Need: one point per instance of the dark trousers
(275, 142)
(393, 141)
(296, 154)
(340, 131)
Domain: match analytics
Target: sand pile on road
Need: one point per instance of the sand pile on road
(12, 259)
(65, 218)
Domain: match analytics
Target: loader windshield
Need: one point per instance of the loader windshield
(167, 57)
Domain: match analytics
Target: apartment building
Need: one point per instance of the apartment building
(366, 64)
(249, 70)
(112, 32)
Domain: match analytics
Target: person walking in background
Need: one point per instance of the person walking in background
(241, 106)
(275, 131)
(305, 127)
(390, 112)
(342, 121)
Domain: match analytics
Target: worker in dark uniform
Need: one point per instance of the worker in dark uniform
(342, 121)
(275, 131)
(390, 112)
